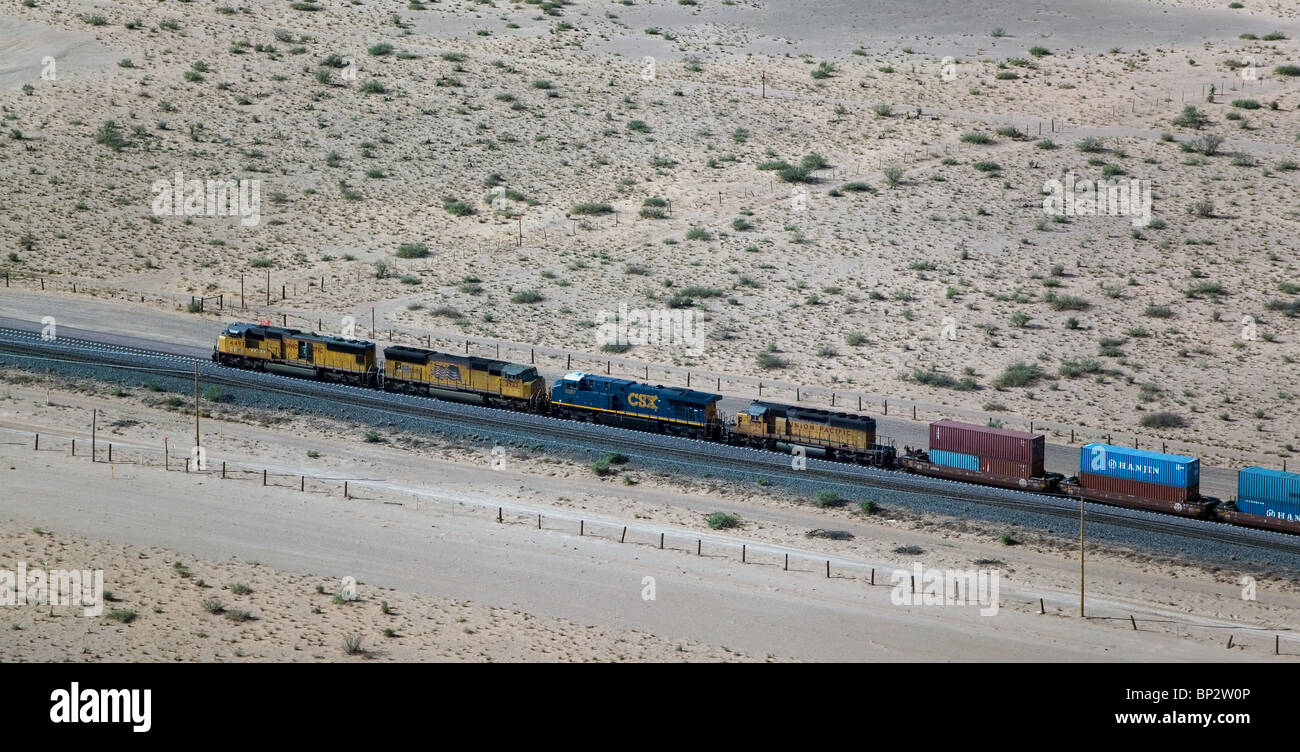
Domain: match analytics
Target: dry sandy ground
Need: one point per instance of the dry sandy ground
(476, 94)
(423, 523)
(282, 616)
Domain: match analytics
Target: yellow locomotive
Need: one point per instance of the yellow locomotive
(496, 382)
(275, 348)
(843, 435)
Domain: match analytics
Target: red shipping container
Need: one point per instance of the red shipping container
(1138, 488)
(990, 443)
(1007, 468)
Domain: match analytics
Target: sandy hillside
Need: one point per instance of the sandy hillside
(919, 215)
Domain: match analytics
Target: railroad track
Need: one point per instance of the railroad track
(689, 453)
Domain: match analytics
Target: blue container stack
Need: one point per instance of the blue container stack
(1139, 465)
(1269, 493)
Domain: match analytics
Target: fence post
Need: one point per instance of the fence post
(828, 568)
(223, 469)
(622, 537)
(36, 447)
(742, 553)
(498, 514)
(582, 524)
(264, 476)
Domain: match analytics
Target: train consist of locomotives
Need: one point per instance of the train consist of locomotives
(1122, 476)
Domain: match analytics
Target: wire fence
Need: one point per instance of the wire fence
(714, 546)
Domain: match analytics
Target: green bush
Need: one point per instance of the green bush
(722, 521)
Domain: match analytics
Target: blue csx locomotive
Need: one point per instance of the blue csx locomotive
(601, 399)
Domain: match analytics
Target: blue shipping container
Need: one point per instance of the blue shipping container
(1140, 465)
(1263, 484)
(945, 458)
(1272, 509)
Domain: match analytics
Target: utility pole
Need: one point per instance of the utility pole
(764, 83)
(94, 415)
(1081, 557)
(196, 405)
(268, 287)
(241, 292)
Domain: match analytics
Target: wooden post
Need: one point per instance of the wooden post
(697, 546)
(742, 553)
(828, 568)
(1071, 435)
(110, 451)
(913, 412)
(623, 537)
(264, 476)
(498, 514)
(187, 464)
(1080, 557)
(1230, 642)
(1133, 622)
(661, 541)
(167, 461)
(345, 490)
(223, 469)
(94, 416)
(74, 447)
(568, 362)
(241, 292)
(886, 407)
(1277, 643)
(873, 576)
(787, 563)
(36, 447)
(302, 483)
(539, 522)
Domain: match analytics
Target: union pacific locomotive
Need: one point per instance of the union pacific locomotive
(1121, 476)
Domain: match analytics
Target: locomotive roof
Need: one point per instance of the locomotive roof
(681, 394)
(420, 355)
(241, 329)
(843, 420)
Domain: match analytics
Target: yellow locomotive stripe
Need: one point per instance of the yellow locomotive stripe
(634, 415)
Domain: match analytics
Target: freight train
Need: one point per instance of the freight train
(1121, 476)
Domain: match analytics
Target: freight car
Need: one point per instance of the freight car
(982, 454)
(841, 435)
(495, 382)
(1138, 478)
(1268, 499)
(662, 409)
(290, 350)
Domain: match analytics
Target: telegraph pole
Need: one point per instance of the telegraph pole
(1081, 557)
(196, 405)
